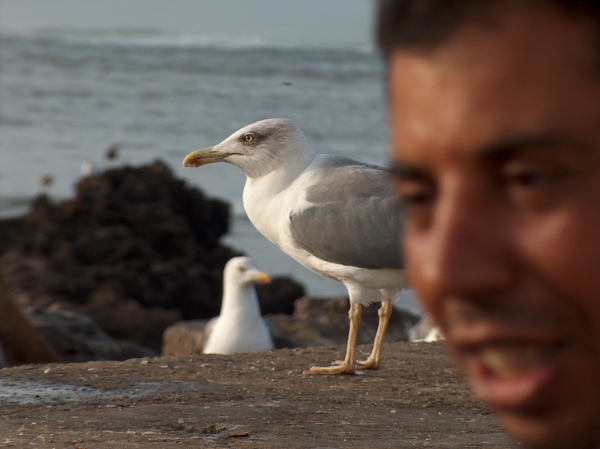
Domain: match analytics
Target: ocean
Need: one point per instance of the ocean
(67, 95)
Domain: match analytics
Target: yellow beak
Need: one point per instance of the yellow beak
(203, 157)
(261, 277)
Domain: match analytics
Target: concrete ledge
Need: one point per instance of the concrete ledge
(416, 399)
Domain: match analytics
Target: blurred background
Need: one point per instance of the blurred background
(86, 85)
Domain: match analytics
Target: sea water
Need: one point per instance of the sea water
(65, 96)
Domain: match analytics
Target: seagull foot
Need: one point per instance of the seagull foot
(370, 363)
(342, 368)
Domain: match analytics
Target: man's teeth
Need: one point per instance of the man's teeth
(513, 360)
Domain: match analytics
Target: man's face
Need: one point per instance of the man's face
(496, 149)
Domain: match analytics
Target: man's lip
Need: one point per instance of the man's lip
(510, 374)
(485, 333)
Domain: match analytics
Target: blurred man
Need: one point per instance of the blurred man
(495, 149)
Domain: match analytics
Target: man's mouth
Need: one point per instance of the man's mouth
(512, 360)
(512, 375)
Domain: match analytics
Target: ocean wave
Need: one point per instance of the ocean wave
(14, 206)
(154, 38)
(179, 41)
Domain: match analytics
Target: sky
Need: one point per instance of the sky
(321, 23)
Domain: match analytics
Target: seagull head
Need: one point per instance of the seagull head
(242, 271)
(257, 149)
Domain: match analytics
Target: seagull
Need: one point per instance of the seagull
(87, 168)
(240, 326)
(112, 152)
(46, 181)
(334, 215)
(425, 331)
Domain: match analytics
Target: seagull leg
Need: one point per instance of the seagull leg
(348, 365)
(385, 312)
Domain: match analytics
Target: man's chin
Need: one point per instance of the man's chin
(536, 394)
(545, 422)
(539, 433)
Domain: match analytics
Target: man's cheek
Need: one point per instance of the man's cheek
(415, 255)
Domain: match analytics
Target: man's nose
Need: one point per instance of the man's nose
(466, 250)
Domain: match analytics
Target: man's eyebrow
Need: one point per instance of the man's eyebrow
(495, 153)
(510, 147)
(402, 170)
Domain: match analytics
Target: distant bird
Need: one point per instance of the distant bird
(425, 331)
(334, 215)
(240, 326)
(87, 168)
(46, 181)
(112, 152)
(435, 334)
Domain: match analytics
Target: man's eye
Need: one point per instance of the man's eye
(530, 187)
(414, 193)
(523, 175)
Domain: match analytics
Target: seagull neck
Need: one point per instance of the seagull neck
(281, 177)
(240, 300)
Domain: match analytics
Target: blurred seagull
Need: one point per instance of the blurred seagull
(334, 215)
(425, 331)
(46, 181)
(87, 168)
(240, 326)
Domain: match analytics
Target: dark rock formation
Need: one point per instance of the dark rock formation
(76, 338)
(279, 295)
(136, 250)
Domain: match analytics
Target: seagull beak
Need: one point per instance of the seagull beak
(261, 277)
(203, 157)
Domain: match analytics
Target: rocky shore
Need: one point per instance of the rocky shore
(136, 250)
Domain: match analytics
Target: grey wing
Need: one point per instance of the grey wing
(339, 179)
(358, 232)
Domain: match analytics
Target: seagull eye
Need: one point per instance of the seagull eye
(242, 269)
(248, 138)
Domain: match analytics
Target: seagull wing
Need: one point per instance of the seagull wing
(354, 219)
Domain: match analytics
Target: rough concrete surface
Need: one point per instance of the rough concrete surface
(416, 399)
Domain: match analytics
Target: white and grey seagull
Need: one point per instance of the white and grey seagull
(334, 215)
(240, 326)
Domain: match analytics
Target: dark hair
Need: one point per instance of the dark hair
(426, 24)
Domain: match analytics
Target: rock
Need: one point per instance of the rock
(137, 227)
(76, 338)
(125, 318)
(279, 295)
(20, 342)
(185, 337)
(290, 332)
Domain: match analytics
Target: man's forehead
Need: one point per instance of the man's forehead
(506, 25)
(509, 78)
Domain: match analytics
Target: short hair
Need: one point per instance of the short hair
(426, 24)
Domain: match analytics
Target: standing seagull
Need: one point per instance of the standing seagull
(334, 215)
(240, 326)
